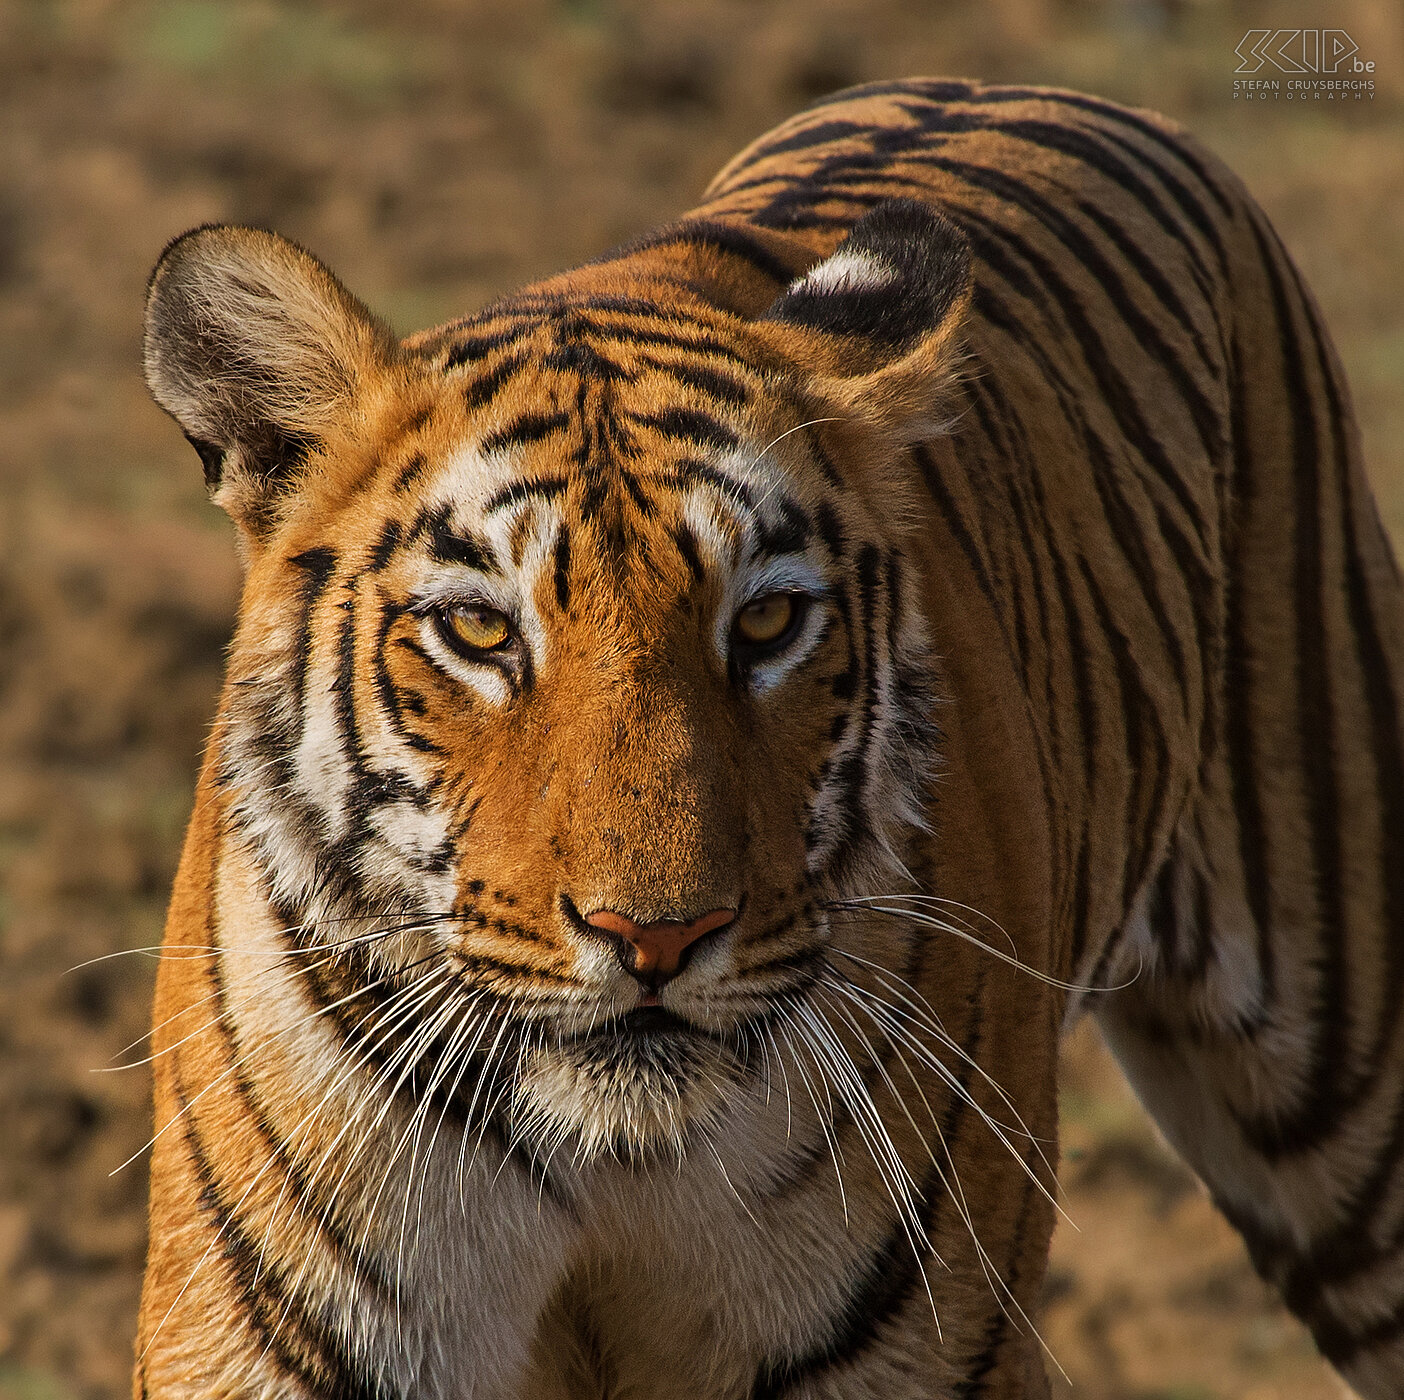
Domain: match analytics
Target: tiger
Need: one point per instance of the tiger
(700, 729)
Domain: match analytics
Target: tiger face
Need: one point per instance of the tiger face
(574, 676)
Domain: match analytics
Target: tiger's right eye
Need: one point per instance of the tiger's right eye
(471, 629)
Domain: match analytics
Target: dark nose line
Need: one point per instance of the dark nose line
(655, 953)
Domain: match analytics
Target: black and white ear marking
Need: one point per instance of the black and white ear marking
(893, 281)
(877, 324)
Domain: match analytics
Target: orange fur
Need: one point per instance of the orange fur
(962, 377)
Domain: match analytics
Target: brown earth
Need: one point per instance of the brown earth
(437, 151)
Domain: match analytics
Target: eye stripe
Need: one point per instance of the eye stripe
(447, 546)
(687, 546)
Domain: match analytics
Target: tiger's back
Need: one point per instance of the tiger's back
(1008, 405)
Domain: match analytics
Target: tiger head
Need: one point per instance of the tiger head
(580, 667)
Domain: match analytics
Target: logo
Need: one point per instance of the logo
(1318, 64)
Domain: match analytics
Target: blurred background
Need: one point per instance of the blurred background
(436, 152)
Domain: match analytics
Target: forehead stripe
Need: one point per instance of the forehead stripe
(690, 425)
(544, 488)
(474, 347)
(530, 427)
(690, 472)
(484, 389)
(714, 382)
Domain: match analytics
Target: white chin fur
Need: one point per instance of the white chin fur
(649, 1100)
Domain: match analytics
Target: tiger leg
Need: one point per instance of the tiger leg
(1265, 1032)
(1291, 1114)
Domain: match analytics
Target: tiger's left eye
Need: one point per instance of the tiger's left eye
(767, 623)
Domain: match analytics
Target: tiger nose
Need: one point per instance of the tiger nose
(656, 953)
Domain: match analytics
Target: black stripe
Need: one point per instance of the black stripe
(690, 425)
(657, 335)
(391, 698)
(1127, 532)
(637, 494)
(384, 548)
(1352, 1246)
(1004, 432)
(732, 239)
(1087, 254)
(580, 358)
(1084, 145)
(850, 773)
(448, 546)
(1379, 676)
(933, 89)
(524, 429)
(302, 1340)
(974, 1382)
(1319, 1108)
(481, 392)
(830, 529)
(545, 488)
(715, 383)
(1125, 117)
(788, 535)
(892, 1271)
(1146, 746)
(562, 567)
(688, 472)
(484, 963)
(1096, 147)
(474, 347)
(317, 565)
(412, 470)
(807, 137)
(960, 531)
(312, 1202)
(356, 1011)
(686, 542)
(1240, 683)
(1113, 387)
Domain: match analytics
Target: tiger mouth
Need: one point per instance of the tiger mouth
(646, 1031)
(651, 1020)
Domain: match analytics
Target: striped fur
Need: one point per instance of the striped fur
(1090, 700)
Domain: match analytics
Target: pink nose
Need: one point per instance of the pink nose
(654, 952)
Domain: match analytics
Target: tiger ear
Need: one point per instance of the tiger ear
(258, 353)
(877, 323)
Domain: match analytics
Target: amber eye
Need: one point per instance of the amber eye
(469, 628)
(768, 622)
